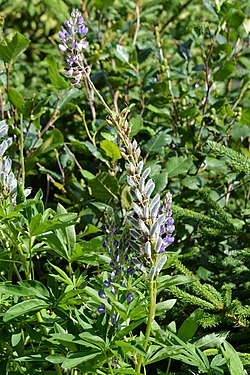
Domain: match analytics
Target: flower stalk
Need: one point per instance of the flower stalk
(150, 222)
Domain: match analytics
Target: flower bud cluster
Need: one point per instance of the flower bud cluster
(73, 41)
(8, 181)
(7, 177)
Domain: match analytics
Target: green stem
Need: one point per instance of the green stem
(113, 115)
(82, 113)
(152, 307)
(109, 365)
(168, 368)
(21, 151)
(56, 365)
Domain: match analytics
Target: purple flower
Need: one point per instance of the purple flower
(101, 309)
(122, 283)
(72, 30)
(82, 29)
(113, 319)
(101, 294)
(130, 271)
(106, 283)
(129, 297)
(80, 19)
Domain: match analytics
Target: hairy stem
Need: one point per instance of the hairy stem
(151, 316)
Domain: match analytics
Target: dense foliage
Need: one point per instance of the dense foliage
(164, 89)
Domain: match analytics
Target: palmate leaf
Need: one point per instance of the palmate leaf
(26, 288)
(23, 308)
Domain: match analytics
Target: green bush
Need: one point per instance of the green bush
(84, 287)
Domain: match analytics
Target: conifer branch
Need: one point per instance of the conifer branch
(239, 162)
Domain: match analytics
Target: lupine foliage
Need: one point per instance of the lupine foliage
(124, 187)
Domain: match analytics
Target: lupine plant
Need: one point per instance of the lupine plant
(151, 223)
(130, 253)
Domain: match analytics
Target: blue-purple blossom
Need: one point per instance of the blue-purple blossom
(72, 38)
(113, 317)
(129, 297)
(106, 283)
(101, 309)
(101, 294)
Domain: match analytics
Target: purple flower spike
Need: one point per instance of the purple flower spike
(73, 43)
(113, 319)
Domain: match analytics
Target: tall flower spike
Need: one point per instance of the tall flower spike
(152, 225)
(73, 41)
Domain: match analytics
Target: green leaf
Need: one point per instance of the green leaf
(16, 99)
(123, 332)
(136, 125)
(111, 149)
(156, 143)
(66, 100)
(161, 181)
(69, 230)
(104, 186)
(23, 308)
(167, 280)
(225, 71)
(90, 229)
(121, 53)
(212, 340)
(161, 354)
(10, 50)
(178, 165)
(93, 339)
(58, 8)
(161, 307)
(26, 288)
(189, 326)
(159, 111)
(64, 277)
(94, 151)
(87, 251)
(76, 359)
(16, 339)
(55, 358)
(232, 358)
(56, 79)
(126, 199)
